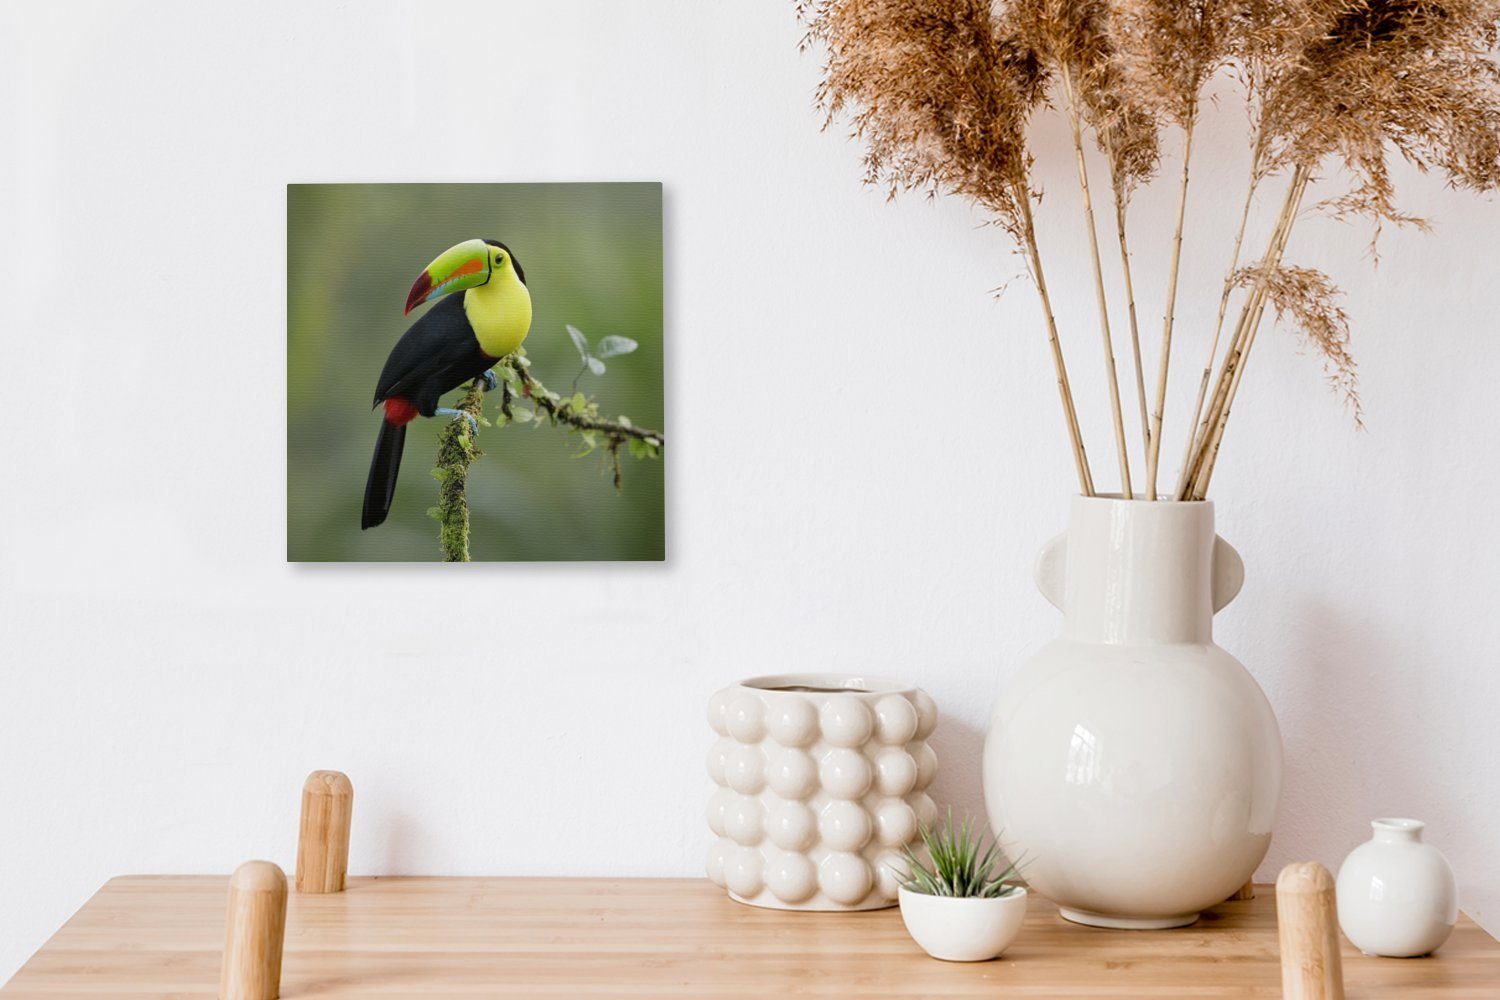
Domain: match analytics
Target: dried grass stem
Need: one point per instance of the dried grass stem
(1075, 121)
(1194, 430)
(1064, 388)
(1135, 330)
(1244, 336)
(1153, 454)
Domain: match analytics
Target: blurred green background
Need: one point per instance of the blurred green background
(592, 254)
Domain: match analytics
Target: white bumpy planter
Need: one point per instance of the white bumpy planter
(821, 783)
(1134, 764)
(1396, 895)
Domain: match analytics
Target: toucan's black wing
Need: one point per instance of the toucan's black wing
(437, 354)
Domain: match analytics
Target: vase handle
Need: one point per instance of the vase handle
(1052, 562)
(1051, 567)
(1228, 573)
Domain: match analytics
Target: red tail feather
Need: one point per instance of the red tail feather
(399, 412)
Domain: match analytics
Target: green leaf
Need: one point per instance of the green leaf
(638, 447)
(611, 346)
(521, 415)
(625, 421)
(578, 403)
(579, 341)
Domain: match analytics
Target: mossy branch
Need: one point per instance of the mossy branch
(577, 412)
(458, 448)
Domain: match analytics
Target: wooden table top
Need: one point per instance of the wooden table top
(442, 938)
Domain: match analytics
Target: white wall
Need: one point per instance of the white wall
(865, 453)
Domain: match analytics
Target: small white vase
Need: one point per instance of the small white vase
(1396, 895)
(822, 780)
(1132, 761)
(963, 930)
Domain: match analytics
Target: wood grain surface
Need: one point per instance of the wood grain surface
(439, 938)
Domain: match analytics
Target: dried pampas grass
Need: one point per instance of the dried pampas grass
(1308, 299)
(941, 92)
(938, 96)
(1358, 80)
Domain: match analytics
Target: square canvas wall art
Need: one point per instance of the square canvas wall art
(474, 372)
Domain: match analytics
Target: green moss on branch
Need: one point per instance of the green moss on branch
(458, 448)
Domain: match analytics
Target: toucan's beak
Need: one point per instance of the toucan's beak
(466, 265)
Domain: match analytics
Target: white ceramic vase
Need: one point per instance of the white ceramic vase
(1396, 895)
(963, 930)
(822, 781)
(1133, 763)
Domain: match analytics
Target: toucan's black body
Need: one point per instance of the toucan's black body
(436, 355)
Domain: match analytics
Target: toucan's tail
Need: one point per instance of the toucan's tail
(381, 485)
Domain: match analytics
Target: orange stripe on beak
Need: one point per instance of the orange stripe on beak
(472, 266)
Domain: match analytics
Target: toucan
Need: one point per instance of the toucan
(455, 341)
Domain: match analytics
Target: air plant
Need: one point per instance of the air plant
(941, 93)
(959, 864)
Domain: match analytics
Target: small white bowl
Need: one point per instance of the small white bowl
(963, 930)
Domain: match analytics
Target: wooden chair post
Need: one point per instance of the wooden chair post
(323, 839)
(1244, 892)
(253, 933)
(1307, 925)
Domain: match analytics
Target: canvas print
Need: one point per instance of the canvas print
(474, 372)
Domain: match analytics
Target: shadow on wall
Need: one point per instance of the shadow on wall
(1342, 712)
(405, 841)
(959, 746)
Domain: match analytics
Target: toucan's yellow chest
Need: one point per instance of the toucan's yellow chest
(500, 313)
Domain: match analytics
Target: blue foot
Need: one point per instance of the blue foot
(491, 380)
(448, 411)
